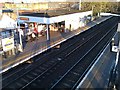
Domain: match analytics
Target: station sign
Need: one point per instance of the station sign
(7, 44)
(24, 18)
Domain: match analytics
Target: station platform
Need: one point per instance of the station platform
(117, 80)
(31, 49)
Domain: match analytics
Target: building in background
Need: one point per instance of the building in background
(7, 28)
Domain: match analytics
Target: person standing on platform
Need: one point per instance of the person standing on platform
(35, 30)
(33, 37)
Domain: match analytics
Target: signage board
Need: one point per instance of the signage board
(7, 44)
(24, 18)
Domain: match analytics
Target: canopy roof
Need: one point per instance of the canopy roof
(50, 13)
(49, 17)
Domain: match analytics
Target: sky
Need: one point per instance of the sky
(36, 1)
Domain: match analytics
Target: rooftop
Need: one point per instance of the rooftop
(7, 11)
(50, 13)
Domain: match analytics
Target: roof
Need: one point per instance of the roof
(6, 29)
(53, 18)
(7, 11)
(50, 13)
(36, 14)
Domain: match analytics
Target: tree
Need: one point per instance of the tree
(98, 7)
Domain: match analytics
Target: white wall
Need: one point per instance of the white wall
(76, 20)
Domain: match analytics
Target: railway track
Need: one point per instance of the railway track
(62, 62)
(47, 82)
(66, 81)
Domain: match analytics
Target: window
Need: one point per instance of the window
(6, 34)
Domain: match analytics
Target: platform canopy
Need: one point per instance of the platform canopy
(7, 22)
(52, 16)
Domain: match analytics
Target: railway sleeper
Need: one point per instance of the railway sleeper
(25, 80)
(29, 77)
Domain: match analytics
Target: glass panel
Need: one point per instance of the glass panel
(3, 34)
(6, 34)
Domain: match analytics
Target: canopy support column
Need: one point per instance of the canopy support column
(48, 33)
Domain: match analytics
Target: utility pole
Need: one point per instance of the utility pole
(92, 11)
(80, 4)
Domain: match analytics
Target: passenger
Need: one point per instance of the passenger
(40, 28)
(35, 30)
(33, 37)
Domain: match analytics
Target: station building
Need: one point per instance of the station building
(57, 20)
(52, 20)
